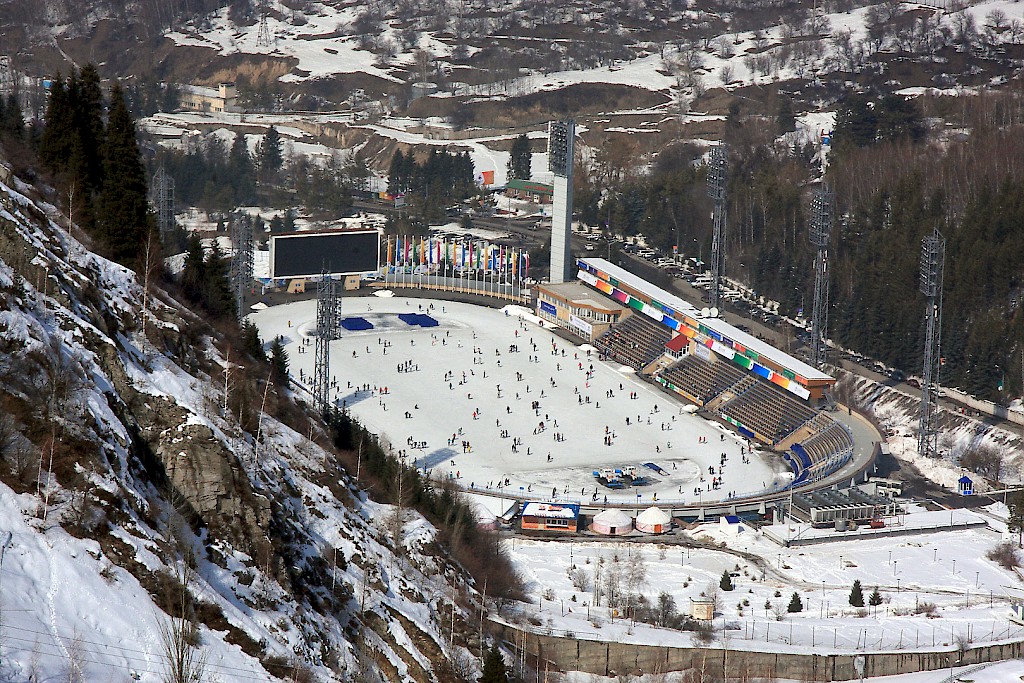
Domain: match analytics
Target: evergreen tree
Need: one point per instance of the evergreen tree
(12, 121)
(88, 115)
(519, 159)
(217, 297)
(251, 342)
(785, 122)
(857, 594)
(123, 216)
(243, 176)
(795, 604)
(396, 173)
(59, 132)
(279, 361)
(1015, 521)
(726, 581)
(494, 667)
(193, 274)
(856, 123)
(269, 154)
(875, 598)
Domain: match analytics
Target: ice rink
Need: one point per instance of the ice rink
(494, 399)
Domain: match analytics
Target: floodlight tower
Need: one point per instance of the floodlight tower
(263, 33)
(718, 166)
(933, 255)
(242, 260)
(561, 138)
(327, 304)
(162, 198)
(819, 234)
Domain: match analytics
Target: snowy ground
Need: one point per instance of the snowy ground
(947, 569)
(426, 406)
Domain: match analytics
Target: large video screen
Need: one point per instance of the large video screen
(309, 254)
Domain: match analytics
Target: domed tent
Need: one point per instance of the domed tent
(653, 521)
(612, 523)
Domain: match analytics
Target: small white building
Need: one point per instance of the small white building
(731, 524)
(653, 520)
(612, 523)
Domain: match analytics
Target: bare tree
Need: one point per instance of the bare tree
(184, 662)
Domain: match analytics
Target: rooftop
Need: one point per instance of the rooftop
(581, 295)
(717, 324)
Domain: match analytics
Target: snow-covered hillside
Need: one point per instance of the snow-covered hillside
(127, 491)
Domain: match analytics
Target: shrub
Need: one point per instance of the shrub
(1005, 555)
(795, 604)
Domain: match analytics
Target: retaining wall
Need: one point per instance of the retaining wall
(612, 658)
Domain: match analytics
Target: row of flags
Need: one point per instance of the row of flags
(405, 251)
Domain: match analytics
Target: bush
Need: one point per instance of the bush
(1005, 555)
(875, 599)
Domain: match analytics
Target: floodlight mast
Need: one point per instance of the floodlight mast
(933, 255)
(718, 166)
(328, 304)
(561, 144)
(819, 234)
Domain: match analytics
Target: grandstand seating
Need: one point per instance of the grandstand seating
(768, 411)
(701, 379)
(635, 341)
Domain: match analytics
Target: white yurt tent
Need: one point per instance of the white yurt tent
(653, 520)
(612, 523)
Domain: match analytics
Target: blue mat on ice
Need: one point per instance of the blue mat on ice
(356, 323)
(419, 319)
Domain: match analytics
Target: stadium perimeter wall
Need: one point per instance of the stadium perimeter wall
(565, 653)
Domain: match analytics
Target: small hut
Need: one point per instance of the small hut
(965, 486)
(612, 523)
(702, 608)
(653, 520)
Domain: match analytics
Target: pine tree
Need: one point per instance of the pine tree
(269, 154)
(1015, 522)
(795, 604)
(857, 594)
(396, 173)
(279, 361)
(494, 667)
(59, 132)
(785, 122)
(123, 218)
(217, 296)
(519, 159)
(726, 582)
(13, 122)
(251, 342)
(88, 114)
(875, 598)
(243, 176)
(193, 274)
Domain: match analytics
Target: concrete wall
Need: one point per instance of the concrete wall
(611, 658)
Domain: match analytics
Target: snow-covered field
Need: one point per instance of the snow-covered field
(464, 382)
(948, 569)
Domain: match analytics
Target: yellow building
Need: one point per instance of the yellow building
(223, 98)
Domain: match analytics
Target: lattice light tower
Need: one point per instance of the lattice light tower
(933, 256)
(263, 38)
(718, 166)
(561, 141)
(241, 260)
(328, 305)
(819, 234)
(162, 199)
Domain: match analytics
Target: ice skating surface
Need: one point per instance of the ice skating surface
(499, 402)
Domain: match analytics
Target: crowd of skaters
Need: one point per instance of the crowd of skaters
(582, 388)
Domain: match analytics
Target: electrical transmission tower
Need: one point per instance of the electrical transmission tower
(241, 261)
(328, 307)
(263, 38)
(819, 233)
(933, 256)
(718, 166)
(162, 199)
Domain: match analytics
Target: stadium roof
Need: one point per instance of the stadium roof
(717, 324)
(529, 186)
